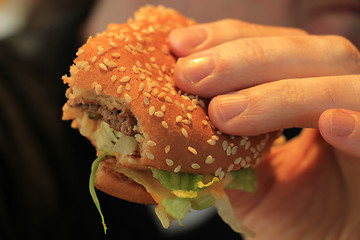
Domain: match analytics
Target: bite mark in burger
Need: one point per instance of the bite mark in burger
(155, 143)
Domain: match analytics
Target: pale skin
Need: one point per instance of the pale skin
(263, 79)
(269, 78)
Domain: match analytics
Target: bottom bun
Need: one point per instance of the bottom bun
(118, 185)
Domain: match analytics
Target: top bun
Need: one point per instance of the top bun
(130, 66)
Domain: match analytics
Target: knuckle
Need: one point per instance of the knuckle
(253, 52)
(345, 48)
(230, 22)
(290, 94)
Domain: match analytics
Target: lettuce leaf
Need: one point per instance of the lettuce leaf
(227, 214)
(183, 185)
(177, 207)
(243, 179)
(94, 167)
(110, 141)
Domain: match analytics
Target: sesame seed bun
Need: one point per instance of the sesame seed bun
(129, 66)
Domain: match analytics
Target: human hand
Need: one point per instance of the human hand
(263, 79)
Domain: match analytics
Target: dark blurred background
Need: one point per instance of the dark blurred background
(44, 164)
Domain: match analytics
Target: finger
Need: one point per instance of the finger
(341, 129)
(185, 41)
(248, 62)
(283, 104)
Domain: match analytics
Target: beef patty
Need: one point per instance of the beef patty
(118, 119)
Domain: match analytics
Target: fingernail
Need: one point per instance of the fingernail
(194, 69)
(342, 123)
(232, 105)
(191, 37)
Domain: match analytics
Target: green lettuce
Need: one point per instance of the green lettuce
(94, 167)
(243, 179)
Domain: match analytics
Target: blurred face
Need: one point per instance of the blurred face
(340, 17)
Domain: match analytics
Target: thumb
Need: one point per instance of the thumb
(341, 129)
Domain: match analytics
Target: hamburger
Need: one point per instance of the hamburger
(155, 144)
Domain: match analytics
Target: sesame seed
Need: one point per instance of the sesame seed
(258, 147)
(186, 98)
(148, 67)
(177, 169)
(150, 155)
(252, 149)
(184, 132)
(159, 113)
(98, 89)
(168, 99)
(115, 55)
(156, 91)
(216, 138)
(189, 116)
(81, 51)
(161, 95)
(151, 110)
(151, 143)
(163, 108)
(169, 162)
(237, 160)
(190, 108)
(164, 124)
(135, 69)
(147, 94)
(93, 59)
(209, 159)
(102, 66)
(167, 149)
(225, 144)
(111, 64)
(122, 69)
(100, 50)
(178, 119)
(247, 159)
(243, 163)
(151, 49)
(192, 150)
(186, 121)
(113, 44)
(141, 86)
(218, 171)
(204, 122)
(247, 145)
(113, 78)
(87, 68)
(125, 79)
(128, 86)
(221, 175)
(228, 151)
(212, 142)
(234, 150)
(119, 89)
(146, 101)
(127, 48)
(231, 166)
(128, 98)
(195, 166)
